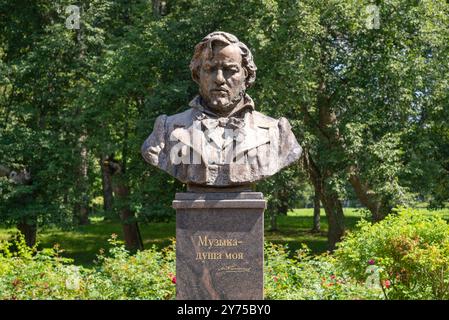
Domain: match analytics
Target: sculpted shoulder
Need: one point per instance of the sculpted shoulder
(183, 119)
(264, 121)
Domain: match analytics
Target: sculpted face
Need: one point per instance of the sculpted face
(222, 78)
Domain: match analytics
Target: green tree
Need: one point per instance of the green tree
(355, 91)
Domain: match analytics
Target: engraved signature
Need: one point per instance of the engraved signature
(233, 269)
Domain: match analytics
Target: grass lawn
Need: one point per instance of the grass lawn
(295, 229)
(84, 242)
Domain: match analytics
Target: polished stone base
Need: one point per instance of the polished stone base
(219, 245)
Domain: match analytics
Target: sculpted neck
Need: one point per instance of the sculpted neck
(228, 111)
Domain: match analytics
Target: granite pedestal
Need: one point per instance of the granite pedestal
(219, 245)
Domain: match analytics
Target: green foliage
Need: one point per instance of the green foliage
(411, 249)
(362, 98)
(30, 274)
(148, 274)
(308, 277)
(408, 251)
(283, 191)
(26, 273)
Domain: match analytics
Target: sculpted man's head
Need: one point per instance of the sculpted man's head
(224, 68)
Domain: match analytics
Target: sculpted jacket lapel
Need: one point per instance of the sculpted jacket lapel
(250, 136)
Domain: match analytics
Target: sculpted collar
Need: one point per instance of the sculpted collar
(246, 134)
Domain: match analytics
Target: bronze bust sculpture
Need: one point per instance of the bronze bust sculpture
(221, 141)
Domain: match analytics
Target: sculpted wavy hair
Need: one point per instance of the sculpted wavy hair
(227, 38)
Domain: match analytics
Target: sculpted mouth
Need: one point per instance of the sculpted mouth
(219, 90)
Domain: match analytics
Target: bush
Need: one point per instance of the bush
(405, 256)
(149, 274)
(409, 252)
(305, 277)
(26, 273)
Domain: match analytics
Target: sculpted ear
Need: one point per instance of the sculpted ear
(195, 68)
(245, 83)
(195, 75)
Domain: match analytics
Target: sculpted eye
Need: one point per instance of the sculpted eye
(232, 70)
(206, 67)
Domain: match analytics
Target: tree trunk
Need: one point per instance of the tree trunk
(283, 209)
(106, 182)
(81, 213)
(81, 207)
(330, 139)
(4, 171)
(131, 232)
(28, 227)
(316, 212)
(159, 8)
(329, 199)
(273, 222)
(368, 197)
(29, 231)
(334, 213)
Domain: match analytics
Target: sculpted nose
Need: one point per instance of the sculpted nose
(219, 79)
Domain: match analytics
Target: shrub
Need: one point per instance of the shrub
(149, 274)
(405, 256)
(305, 277)
(409, 250)
(26, 273)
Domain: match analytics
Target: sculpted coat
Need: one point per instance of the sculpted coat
(245, 147)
